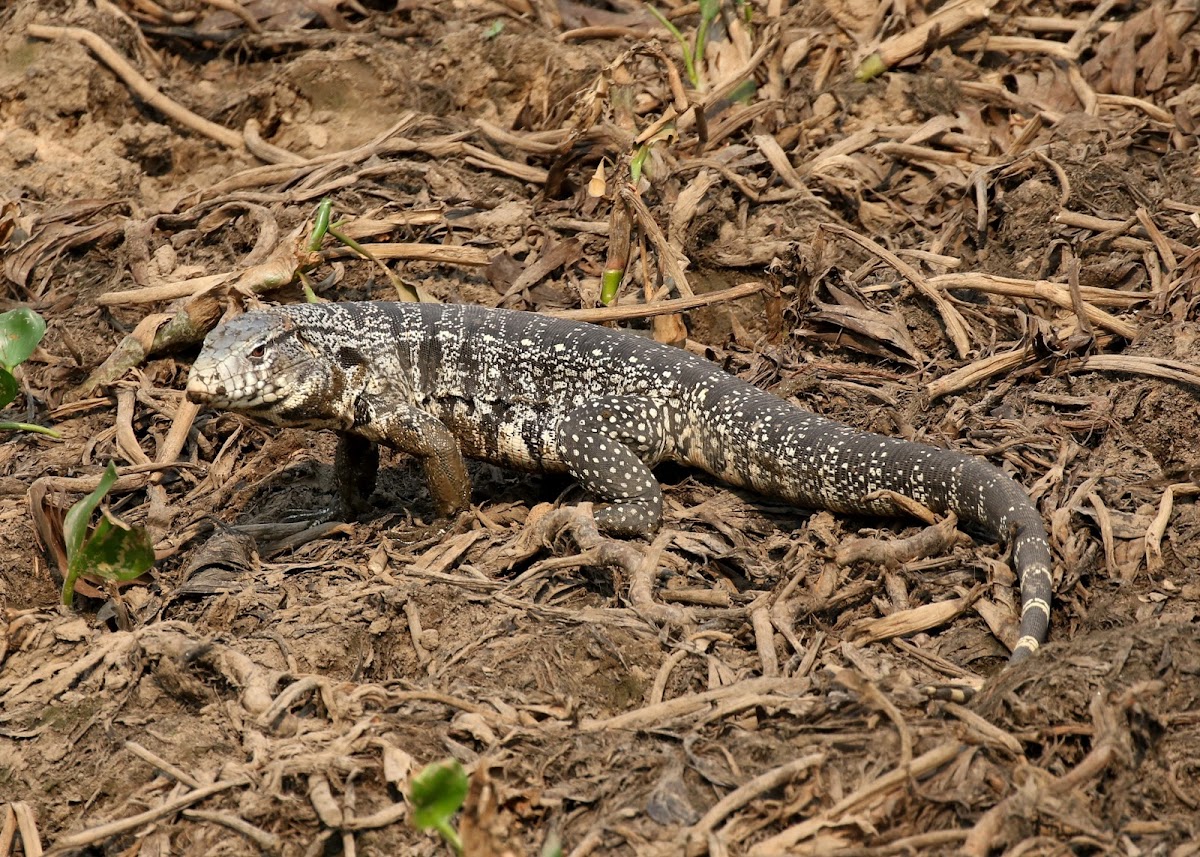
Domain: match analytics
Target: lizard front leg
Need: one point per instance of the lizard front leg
(355, 467)
(406, 429)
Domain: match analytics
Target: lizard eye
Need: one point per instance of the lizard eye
(258, 352)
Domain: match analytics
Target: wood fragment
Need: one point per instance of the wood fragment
(649, 715)
(1053, 24)
(768, 781)
(162, 764)
(701, 597)
(628, 311)
(956, 326)
(1152, 110)
(1153, 367)
(580, 34)
(544, 143)
(998, 94)
(985, 730)
(904, 623)
(764, 640)
(930, 541)
(8, 830)
(385, 817)
(778, 159)
(1158, 527)
(927, 763)
(1099, 224)
(1160, 240)
(102, 832)
(264, 839)
(670, 260)
(979, 371)
(942, 24)
(446, 254)
(163, 291)
(1043, 290)
(1019, 44)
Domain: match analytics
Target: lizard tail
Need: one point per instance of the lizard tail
(796, 456)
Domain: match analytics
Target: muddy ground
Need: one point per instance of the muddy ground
(990, 246)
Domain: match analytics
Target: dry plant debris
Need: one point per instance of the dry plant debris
(974, 223)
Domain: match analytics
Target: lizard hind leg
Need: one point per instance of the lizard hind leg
(609, 445)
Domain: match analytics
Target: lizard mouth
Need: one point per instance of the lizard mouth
(200, 393)
(217, 395)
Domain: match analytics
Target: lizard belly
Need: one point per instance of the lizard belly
(519, 436)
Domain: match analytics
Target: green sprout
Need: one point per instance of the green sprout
(709, 9)
(638, 161)
(436, 793)
(693, 55)
(113, 551)
(322, 226)
(870, 68)
(494, 29)
(610, 284)
(20, 332)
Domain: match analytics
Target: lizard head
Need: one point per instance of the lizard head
(261, 364)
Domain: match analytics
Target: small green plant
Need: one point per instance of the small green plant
(323, 225)
(693, 54)
(112, 551)
(436, 793)
(20, 332)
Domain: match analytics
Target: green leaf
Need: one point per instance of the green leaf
(320, 224)
(113, 551)
(49, 432)
(437, 792)
(709, 9)
(494, 29)
(638, 161)
(8, 387)
(688, 65)
(116, 552)
(76, 521)
(20, 332)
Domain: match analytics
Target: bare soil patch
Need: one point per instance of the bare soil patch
(991, 246)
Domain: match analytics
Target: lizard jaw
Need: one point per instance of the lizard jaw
(200, 393)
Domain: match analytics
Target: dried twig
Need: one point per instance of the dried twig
(162, 764)
(628, 311)
(264, 839)
(912, 621)
(979, 371)
(1153, 367)
(768, 781)
(930, 541)
(945, 22)
(1055, 293)
(649, 715)
(1106, 748)
(956, 326)
(133, 822)
(141, 87)
(924, 764)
